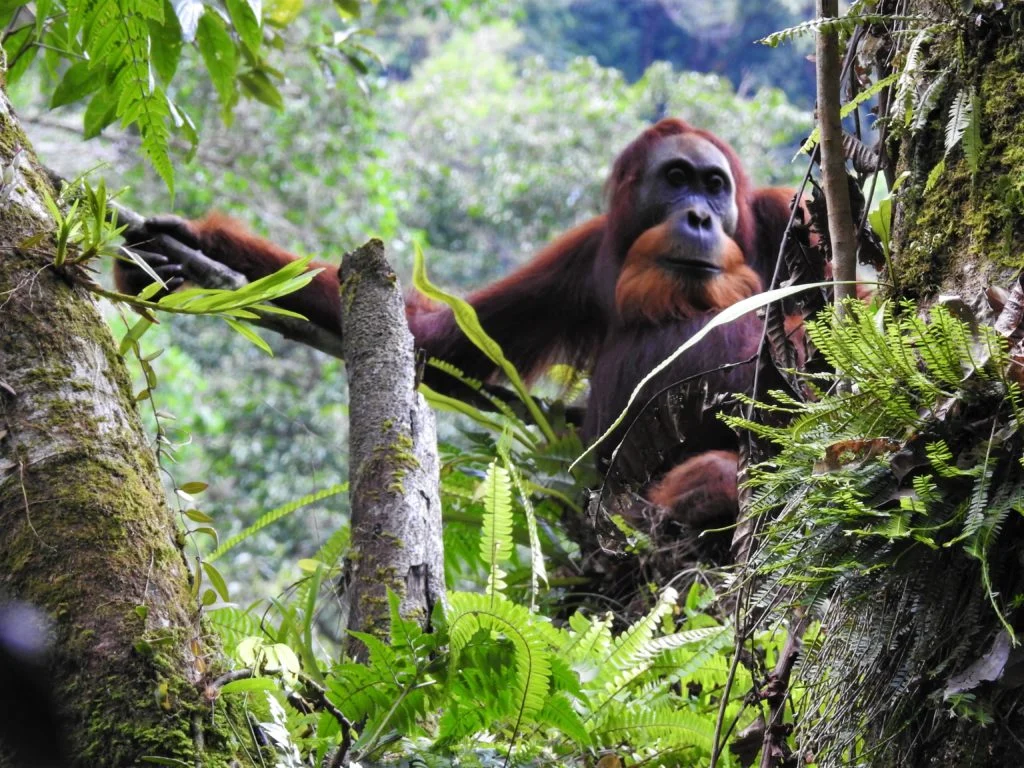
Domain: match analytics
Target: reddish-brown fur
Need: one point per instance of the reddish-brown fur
(593, 298)
(700, 490)
(644, 292)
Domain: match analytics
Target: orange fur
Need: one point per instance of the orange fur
(647, 291)
(701, 490)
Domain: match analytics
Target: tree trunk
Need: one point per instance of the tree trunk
(396, 510)
(85, 533)
(945, 682)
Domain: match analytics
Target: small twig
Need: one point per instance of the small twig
(230, 677)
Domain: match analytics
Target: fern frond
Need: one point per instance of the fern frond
(926, 100)
(538, 571)
(496, 533)
(469, 613)
(631, 652)
(663, 727)
(972, 134)
(960, 111)
(558, 713)
(115, 36)
(590, 638)
(274, 515)
(842, 24)
(233, 625)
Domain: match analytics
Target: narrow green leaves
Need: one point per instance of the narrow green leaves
(496, 536)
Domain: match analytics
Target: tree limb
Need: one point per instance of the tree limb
(833, 159)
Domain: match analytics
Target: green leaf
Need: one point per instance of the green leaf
(21, 52)
(283, 12)
(249, 685)
(167, 44)
(246, 22)
(216, 580)
(221, 57)
(496, 531)
(349, 9)
(881, 222)
(972, 134)
(257, 84)
(469, 324)
(134, 334)
(100, 113)
(274, 515)
(934, 175)
(469, 612)
(198, 516)
(249, 334)
(847, 109)
(195, 487)
(77, 83)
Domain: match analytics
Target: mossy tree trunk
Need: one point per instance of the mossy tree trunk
(963, 705)
(85, 533)
(397, 544)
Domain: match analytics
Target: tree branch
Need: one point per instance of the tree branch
(833, 159)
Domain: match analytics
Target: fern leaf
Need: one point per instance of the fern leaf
(926, 101)
(274, 515)
(910, 76)
(538, 572)
(959, 118)
(115, 36)
(233, 625)
(558, 712)
(934, 175)
(843, 24)
(632, 651)
(666, 727)
(591, 638)
(468, 613)
(496, 534)
(972, 134)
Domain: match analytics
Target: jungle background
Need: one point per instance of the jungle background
(877, 620)
(478, 130)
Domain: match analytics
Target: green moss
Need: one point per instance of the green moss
(967, 219)
(87, 536)
(348, 290)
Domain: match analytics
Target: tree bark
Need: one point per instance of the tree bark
(833, 159)
(945, 684)
(85, 533)
(396, 510)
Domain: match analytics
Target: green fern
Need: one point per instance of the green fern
(274, 515)
(538, 571)
(496, 535)
(471, 613)
(842, 24)
(666, 727)
(909, 470)
(961, 111)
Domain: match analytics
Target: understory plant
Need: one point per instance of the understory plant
(895, 479)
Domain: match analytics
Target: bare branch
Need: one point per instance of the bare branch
(833, 158)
